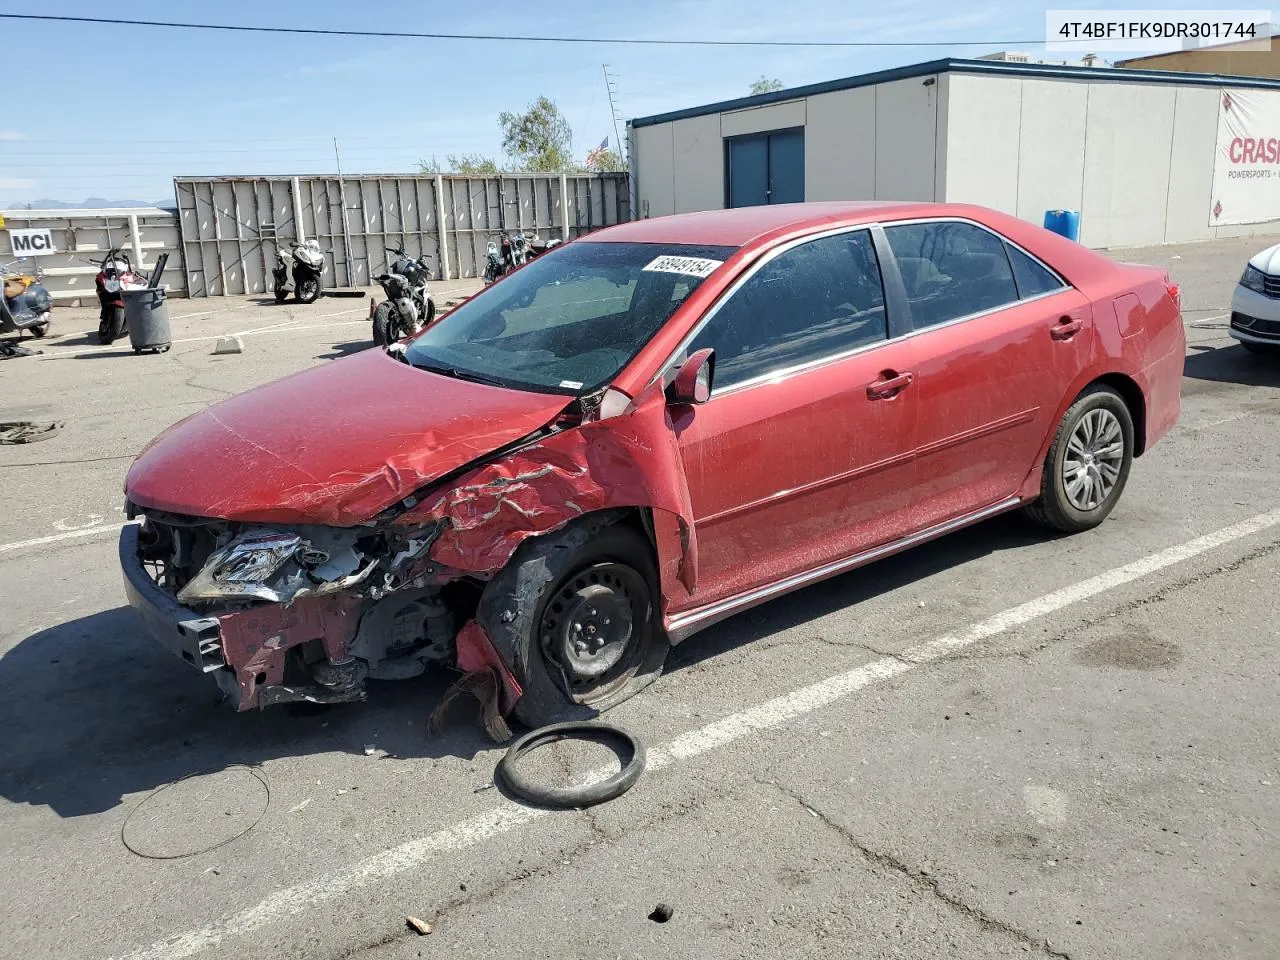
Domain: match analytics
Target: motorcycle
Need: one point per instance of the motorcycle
(298, 269)
(512, 251)
(408, 308)
(26, 304)
(115, 275)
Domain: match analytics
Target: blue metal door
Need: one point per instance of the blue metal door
(786, 167)
(748, 171)
(765, 168)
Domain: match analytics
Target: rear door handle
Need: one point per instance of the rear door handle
(890, 386)
(1066, 328)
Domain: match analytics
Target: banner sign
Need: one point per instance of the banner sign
(1246, 165)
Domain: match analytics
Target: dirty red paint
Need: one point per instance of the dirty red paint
(745, 491)
(334, 444)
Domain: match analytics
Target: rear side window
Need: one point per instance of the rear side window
(816, 300)
(951, 270)
(1033, 279)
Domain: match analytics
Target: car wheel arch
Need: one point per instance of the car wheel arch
(1130, 391)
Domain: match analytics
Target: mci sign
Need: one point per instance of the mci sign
(31, 243)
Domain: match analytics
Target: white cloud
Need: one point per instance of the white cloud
(10, 135)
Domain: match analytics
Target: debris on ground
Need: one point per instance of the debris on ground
(421, 926)
(28, 431)
(228, 345)
(661, 913)
(486, 686)
(9, 350)
(631, 756)
(370, 749)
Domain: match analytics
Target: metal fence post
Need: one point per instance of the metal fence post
(442, 241)
(135, 241)
(564, 207)
(295, 191)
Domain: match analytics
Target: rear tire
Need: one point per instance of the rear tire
(385, 326)
(110, 328)
(1088, 463)
(1261, 349)
(590, 580)
(282, 294)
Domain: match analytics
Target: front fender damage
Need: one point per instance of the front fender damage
(629, 460)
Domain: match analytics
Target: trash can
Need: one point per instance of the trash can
(147, 316)
(1064, 222)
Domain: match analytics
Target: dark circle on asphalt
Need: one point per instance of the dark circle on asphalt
(1132, 647)
(197, 813)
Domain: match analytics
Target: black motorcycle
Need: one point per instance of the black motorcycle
(408, 308)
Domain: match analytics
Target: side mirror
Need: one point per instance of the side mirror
(692, 383)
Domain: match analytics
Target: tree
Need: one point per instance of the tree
(765, 85)
(469, 164)
(538, 140)
(606, 161)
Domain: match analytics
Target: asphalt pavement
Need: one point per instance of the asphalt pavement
(1001, 744)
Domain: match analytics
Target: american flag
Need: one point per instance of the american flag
(596, 155)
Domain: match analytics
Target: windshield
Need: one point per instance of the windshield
(569, 320)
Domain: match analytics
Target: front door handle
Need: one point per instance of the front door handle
(1066, 328)
(890, 385)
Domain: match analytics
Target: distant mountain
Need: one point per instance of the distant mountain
(91, 203)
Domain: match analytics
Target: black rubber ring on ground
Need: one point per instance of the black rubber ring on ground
(569, 798)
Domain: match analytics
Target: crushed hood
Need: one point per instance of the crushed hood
(334, 445)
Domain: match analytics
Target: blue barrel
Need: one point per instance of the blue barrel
(1063, 222)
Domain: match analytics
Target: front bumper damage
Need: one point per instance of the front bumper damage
(246, 650)
(386, 613)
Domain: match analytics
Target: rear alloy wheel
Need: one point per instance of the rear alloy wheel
(574, 614)
(1088, 463)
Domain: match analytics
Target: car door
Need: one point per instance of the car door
(801, 456)
(992, 364)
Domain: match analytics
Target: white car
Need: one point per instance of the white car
(1255, 308)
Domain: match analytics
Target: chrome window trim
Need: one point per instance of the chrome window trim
(787, 372)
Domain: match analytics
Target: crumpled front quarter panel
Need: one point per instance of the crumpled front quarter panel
(630, 460)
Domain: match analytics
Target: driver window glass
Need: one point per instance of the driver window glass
(817, 300)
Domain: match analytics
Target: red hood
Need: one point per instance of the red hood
(335, 444)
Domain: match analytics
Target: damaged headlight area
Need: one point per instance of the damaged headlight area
(206, 562)
(281, 567)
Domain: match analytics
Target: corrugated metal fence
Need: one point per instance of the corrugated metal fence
(231, 227)
(82, 235)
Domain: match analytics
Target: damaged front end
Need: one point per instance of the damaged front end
(300, 613)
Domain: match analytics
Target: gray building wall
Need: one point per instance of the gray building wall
(876, 142)
(1135, 158)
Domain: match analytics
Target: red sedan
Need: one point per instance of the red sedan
(639, 434)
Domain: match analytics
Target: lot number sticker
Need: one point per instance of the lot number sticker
(688, 266)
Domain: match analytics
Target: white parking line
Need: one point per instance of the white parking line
(69, 535)
(507, 816)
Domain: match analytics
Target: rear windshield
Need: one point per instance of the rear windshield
(570, 320)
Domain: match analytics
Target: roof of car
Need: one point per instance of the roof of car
(741, 225)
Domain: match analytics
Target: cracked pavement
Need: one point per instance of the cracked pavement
(1101, 781)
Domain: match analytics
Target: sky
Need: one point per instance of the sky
(117, 111)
